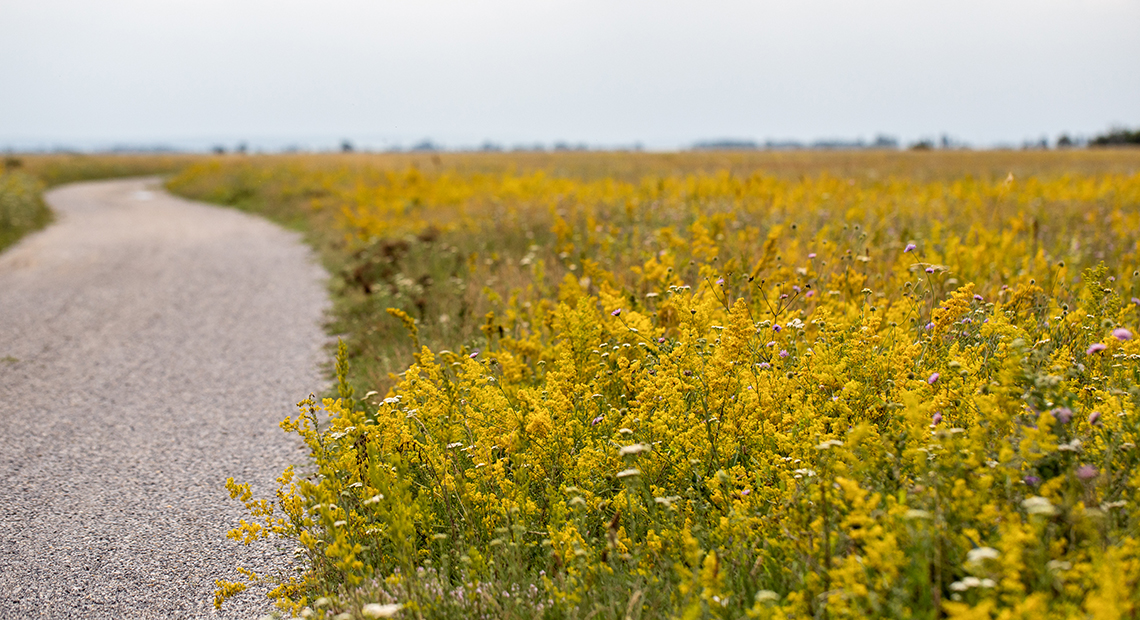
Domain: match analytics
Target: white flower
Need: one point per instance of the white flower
(376, 610)
(915, 513)
(636, 448)
(766, 595)
(982, 553)
(830, 443)
(1038, 506)
(626, 473)
(971, 582)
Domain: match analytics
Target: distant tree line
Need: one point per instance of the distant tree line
(1117, 136)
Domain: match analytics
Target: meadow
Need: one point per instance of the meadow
(721, 385)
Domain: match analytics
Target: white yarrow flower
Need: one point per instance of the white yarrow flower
(636, 448)
(1038, 506)
(982, 553)
(376, 610)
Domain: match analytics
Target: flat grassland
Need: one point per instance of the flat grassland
(761, 385)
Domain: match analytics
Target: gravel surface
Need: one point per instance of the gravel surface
(148, 348)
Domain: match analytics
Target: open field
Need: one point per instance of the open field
(715, 385)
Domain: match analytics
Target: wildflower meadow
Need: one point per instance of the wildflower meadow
(649, 386)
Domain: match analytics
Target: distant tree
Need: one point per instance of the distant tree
(1117, 136)
(883, 141)
(346, 146)
(218, 150)
(1064, 141)
(922, 145)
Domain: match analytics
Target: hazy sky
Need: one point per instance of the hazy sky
(659, 72)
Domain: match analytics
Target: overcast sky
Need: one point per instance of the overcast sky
(609, 72)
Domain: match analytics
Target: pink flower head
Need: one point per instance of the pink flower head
(783, 352)
(1122, 334)
(776, 327)
(616, 312)
(809, 294)
(910, 247)
(765, 365)
(978, 298)
(1095, 347)
(1086, 472)
(937, 419)
(1136, 300)
(930, 270)
(933, 378)
(1063, 414)
(720, 281)
(474, 354)
(1094, 418)
(812, 255)
(930, 326)
(598, 420)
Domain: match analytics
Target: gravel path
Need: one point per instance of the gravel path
(148, 348)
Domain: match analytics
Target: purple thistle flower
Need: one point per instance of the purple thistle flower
(1086, 472)
(937, 419)
(771, 343)
(812, 255)
(1122, 334)
(933, 378)
(1094, 418)
(783, 352)
(930, 326)
(1063, 414)
(796, 288)
(1096, 347)
(720, 281)
(616, 312)
(1136, 300)
(810, 294)
(910, 247)
(661, 340)
(978, 298)
(1032, 480)
(765, 365)
(474, 354)
(930, 270)
(598, 420)
(776, 327)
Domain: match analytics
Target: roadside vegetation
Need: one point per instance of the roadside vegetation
(23, 180)
(805, 385)
(22, 209)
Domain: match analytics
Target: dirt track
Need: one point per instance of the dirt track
(148, 348)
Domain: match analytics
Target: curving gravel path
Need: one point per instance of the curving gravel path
(148, 348)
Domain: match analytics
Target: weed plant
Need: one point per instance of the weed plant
(716, 395)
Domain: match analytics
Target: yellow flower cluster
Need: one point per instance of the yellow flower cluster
(723, 395)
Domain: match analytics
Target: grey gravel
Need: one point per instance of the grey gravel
(149, 346)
